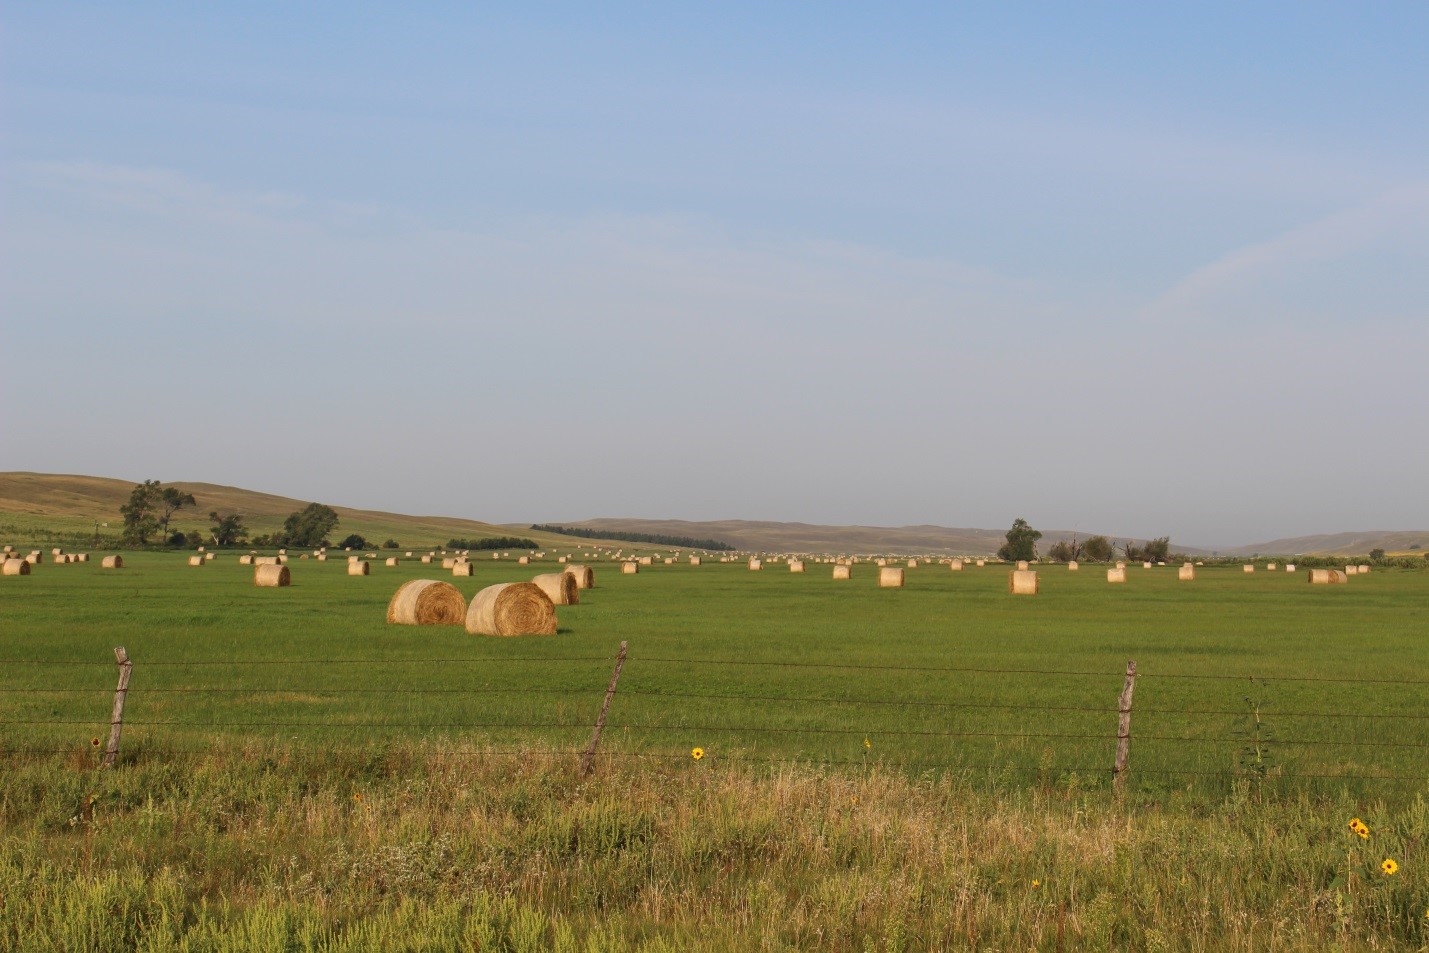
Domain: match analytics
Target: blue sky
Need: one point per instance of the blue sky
(1131, 268)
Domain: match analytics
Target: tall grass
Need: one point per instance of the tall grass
(419, 847)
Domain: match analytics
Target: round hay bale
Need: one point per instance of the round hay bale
(1289, 567)
(282, 552)
(272, 574)
(912, 564)
(15, 567)
(392, 561)
(1121, 565)
(842, 572)
(630, 568)
(426, 560)
(267, 561)
(1022, 582)
(408, 555)
(524, 561)
(463, 568)
(1364, 569)
(890, 577)
(1271, 567)
(209, 556)
(448, 562)
(1072, 566)
(1327, 577)
(359, 568)
(511, 608)
(559, 587)
(1248, 567)
(1146, 565)
(755, 565)
(647, 560)
(955, 566)
(56, 551)
(1022, 565)
(426, 602)
(1116, 575)
(881, 562)
(321, 557)
(982, 562)
(112, 562)
(1186, 573)
(84, 557)
(796, 565)
(196, 560)
(245, 560)
(583, 575)
(695, 560)
(1349, 570)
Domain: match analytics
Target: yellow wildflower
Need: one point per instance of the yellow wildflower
(697, 753)
(1389, 867)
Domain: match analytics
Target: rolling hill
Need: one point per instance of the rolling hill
(66, 503)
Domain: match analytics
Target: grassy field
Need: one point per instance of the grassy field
(974, 730)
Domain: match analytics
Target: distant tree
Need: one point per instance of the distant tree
(171, 500)
(227, 530)
(1066, 551)
(1098, 549)
(140, 521)
(1156, 550)
(194, 539)
(354, 541)
(391, 544)
(1021, 542)
(176, 538)
(1376, 554)
(309, 526)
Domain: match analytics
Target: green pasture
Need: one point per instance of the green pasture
(950, 671)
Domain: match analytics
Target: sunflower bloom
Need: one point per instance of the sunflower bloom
(1363, 832)
(1389, 867)
(867, 743)
(1036, 884)
(94, 741)
(697, 753)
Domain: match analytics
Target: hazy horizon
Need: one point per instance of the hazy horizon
(1137, 270)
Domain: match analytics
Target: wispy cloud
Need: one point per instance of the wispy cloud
(1398, 218)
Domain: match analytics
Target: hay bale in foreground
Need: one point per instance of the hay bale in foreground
(1022, 582)
(890, 577)
(511, 608)
(1327, 577)
(272, 574)
(559, 587)
(463, 568)
(112, 562)
(842, 572)
(1186, 573)
(955, 566)
(16, 567)
(196, 560)
(583, 575)
(912, 564)
(426, 602)
(630, 569)
(359, 568)
(1117, 574)
(755, 565)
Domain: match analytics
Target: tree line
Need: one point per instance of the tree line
(658, 539)
(152, 506)
(1022, 544)
(493, 542)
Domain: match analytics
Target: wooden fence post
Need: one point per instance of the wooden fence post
(116, 720)
(1123, 726)
(589, 756)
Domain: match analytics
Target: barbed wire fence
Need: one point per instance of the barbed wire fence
(1116, 743)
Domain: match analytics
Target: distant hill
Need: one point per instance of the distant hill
(761, 536)
(70, 503)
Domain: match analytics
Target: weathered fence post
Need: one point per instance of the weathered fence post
(116, 720)
(589, 756)
(1123, 726)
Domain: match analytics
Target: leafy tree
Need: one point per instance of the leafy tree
(1066, 550)
(1021, 542)
(140, 521)
(228, 530)
(177, 538)
(391, 544)
(194, 539)
(493, 542)
(171, 500)
(1098, 549)
(310, 525)
(1157, 549)
(354, 541)
(1376, 554)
